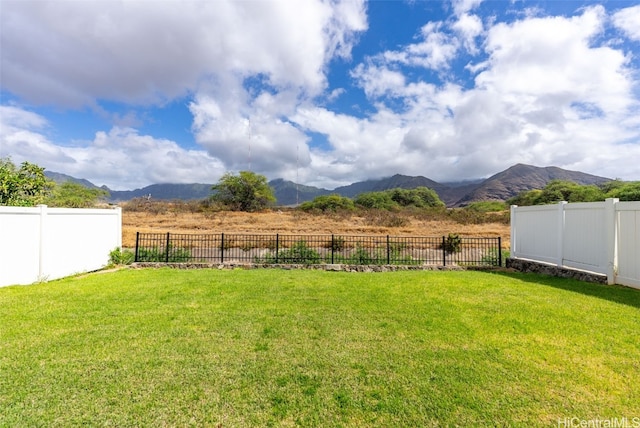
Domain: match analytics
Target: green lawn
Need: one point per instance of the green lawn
(313, 348)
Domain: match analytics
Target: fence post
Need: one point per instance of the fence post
(119, 231)
(560, 234)
(333, 246)
(499, 251)
(277, 246)
(221, 248)
(514, 231)
(137, 246)
(388, 251)
(444, 251)
(612, 223)
(166, 255)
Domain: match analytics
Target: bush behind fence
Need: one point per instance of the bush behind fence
(317, 249)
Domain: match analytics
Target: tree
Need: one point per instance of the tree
(25, 186)
(420, 197)
(423, 197)
(559, 190)
(625, 191)
(326, 203)
(246, 191)
(376, 200)
(74, 195)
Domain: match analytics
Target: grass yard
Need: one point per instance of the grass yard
(313, 348)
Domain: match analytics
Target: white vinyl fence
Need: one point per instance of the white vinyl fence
(599, 237)
(41, 243)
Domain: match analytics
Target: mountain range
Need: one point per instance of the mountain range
(498, 187)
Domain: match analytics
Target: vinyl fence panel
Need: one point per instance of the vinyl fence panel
(20, 245)
(44, 243)
(628, 239)
(600, 237)
(535, 231)
(584, 238)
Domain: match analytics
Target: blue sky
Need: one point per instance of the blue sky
(323, 92)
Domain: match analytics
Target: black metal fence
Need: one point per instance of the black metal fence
(316, 249)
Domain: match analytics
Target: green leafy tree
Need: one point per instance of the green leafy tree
(487, 206)
(326, 203)
(74, 195)
(612, 186)
(420, 197)
(376, 200)
(423, 197)
(246, 191)
(525, 198)
(24, 186)
(625, 191)
(559, 190)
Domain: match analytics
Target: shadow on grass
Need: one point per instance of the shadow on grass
(614, 293)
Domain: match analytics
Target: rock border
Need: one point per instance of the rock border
(529, 266)
(325, 267)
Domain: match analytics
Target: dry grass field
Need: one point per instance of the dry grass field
(289, 221)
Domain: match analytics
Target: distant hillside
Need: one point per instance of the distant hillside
(499, 187)
(397, 181)
(518, 178)
(290, 193)
(63, 178)
(165, 191)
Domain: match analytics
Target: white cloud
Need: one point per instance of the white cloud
(257, 137)
(73, 53)
(378, 81)
(122, 159)
(548, 91)
(553, 57)
(628, 20)
(461, 7)
(548, 94)
(435, 51)
(469, 27)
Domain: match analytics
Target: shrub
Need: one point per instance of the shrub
(121, 257)
(159, 254)
(336, 244)
(376, 200)
(420, 197)
(362, 257)
(328, 203)
(453, 244)
(299, 253)
(487, 206)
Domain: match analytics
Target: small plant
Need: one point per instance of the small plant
(248, 246)
(364, 257)
(299, 253)
(336, 244)
(270, 244)
(453, 244)
(397, 254)
(491, 257)
(161, 255)
(121, 257)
